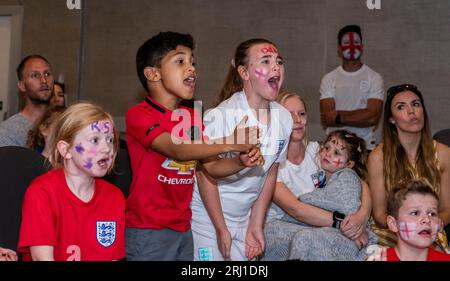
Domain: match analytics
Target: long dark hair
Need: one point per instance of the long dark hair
(396, 164)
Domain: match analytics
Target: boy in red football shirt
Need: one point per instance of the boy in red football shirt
(413, 215)
(162, 157)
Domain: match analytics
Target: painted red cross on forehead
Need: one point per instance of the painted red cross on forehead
(269, 49)
(353, 45)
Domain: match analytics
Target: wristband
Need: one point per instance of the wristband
(337, 219)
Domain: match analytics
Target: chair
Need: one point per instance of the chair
(121, 174)
(443, 136)
(18, 167)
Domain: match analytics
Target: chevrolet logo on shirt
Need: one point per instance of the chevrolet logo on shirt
(183, 168)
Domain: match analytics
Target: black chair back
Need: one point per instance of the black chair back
(443, 136)
(18, 167)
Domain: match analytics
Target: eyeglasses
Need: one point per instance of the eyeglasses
(400, 88)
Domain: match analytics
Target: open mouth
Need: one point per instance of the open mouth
(274, 82)
(103, 163)
(190, 81)
(425, 232)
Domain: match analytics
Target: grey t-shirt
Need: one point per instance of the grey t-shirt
(14, 131)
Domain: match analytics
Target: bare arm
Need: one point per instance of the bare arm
(354, 224)
(309, 214)
(163, 144)
(366, 117)
(209, 193)
(254, 240)
(444, 196)
(223, 167)
(377, 188)
(42, 253)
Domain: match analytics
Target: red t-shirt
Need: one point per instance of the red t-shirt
(161, 188)
(433, 255)
(53, 216)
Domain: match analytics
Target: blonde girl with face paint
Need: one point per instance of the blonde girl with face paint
(412, 208)
(228, 214)
(69, 214)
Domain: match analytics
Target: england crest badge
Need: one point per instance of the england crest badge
(106, 233)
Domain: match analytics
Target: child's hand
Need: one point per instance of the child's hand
(254, 243)
(252, 158)
(362, 240)
(353, 225)
(7, 255)
(224, 243)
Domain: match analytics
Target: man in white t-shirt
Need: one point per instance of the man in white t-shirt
(352, 95)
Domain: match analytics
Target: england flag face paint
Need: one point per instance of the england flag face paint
(351, 45)
(418, 221)
(407, 230)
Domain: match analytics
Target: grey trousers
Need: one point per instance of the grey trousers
(159, 245)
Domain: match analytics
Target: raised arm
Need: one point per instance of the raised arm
(184, 152)
(223, 167)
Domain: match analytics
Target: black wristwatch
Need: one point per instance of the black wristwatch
(337, 121)
(337, 219)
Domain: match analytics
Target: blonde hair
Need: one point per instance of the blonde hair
(281, 99)
(396, 165)
(233, 81)
(75, 118)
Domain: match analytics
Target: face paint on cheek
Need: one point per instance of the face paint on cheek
(407, 230)
(261, 73)
(338, 162)
(92, 151)
(352, 51)
(88, 163)
(79, 148)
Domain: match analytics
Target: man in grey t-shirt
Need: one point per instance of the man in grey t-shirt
(36, 82)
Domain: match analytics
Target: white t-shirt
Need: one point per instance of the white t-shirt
(238, 192)
(350, 91)
(300, 179)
